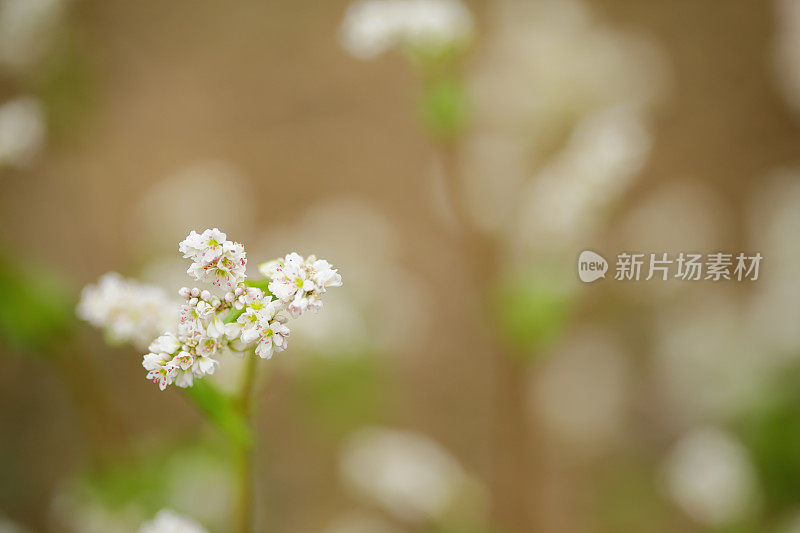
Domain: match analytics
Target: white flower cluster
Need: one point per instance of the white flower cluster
(167, 521)
(127, 310)
(299, 283)
(189, 337)
(215, 259)
(371, 27)
(206, 325)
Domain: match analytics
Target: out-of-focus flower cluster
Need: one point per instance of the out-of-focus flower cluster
(127, 310)
(411, 476)
(208, 323)
(27, 30)
(371, 27)
(561, 105)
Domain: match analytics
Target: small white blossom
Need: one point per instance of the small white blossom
(170, 361)
(215, 259)
(261, 322)
(371, 27)
(129, 311)
(167, 521)
(299, 282)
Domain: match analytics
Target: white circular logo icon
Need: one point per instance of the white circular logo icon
(591, 266)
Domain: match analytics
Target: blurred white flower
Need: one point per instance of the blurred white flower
(583, 391)
(704, 338)
(26, 29)
(371, 27)
(710, 476)
(167, 521)
(561, 103)
(568, 197)
(127, 310)
(22, 131)
(407, 473)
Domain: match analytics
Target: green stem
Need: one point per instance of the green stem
(243, 453)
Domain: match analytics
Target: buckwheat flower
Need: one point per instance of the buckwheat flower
(167, 361)
(167, 521)
(127, 310)
(206, 246)
(371, 27)
(299, 282)
(273, 338)
(215, 259)
(178, 360)
(261, 323)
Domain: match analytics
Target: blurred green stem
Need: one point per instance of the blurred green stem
(243, 452)
(516, 479)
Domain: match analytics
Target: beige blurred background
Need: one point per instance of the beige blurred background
(169, 116)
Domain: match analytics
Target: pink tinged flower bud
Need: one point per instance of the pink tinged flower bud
(193, 302)
(184, 292)
(205, 295)
(195, 292)
(229, 297)
(239, 291)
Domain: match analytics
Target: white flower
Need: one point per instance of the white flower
(169, 361)
(215, 259)
(711, 477)
(206, 246)
(408, 474)
(299, 282)
(22, 131)
(129, 311)
(261, 323)
(167, 521)
(371, 27)
(273, 339)
(201, 335)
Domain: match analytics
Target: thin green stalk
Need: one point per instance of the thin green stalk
(243, 453)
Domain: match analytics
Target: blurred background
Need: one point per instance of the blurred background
(462, 379)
